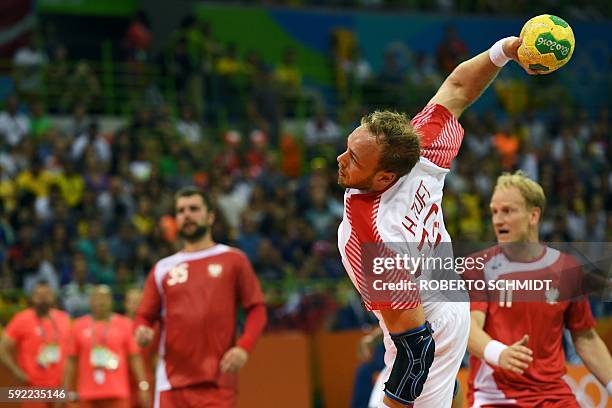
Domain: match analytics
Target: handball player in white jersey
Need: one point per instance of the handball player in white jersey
(393, 170)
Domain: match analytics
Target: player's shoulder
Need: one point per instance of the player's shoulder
(433, 112)
(167, 260)
(489, 254)
(122, 320)
(234, 253)
(82, 322)
(60, 314)
(566, 258)
(24, 316)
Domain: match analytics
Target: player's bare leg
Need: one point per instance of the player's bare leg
(398, 321)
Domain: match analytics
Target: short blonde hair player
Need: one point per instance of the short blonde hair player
(514, 358)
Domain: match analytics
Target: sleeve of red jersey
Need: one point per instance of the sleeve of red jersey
(252, 300)
(149, 310)
(578, 315)
(15, 328)
(441, 134)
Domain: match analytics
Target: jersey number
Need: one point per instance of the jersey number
(505, 298)
(178, 274)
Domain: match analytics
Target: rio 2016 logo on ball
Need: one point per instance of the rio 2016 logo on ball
(548, 43)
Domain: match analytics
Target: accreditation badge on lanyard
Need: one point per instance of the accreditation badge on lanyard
(50, 352)
(101, 357)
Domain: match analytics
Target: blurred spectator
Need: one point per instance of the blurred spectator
(321, 130)
(249, 238)
(14, 126)
(357, 69)
(29, 62)
(42, 260)
(39, 120)
(264, 105)
(187, 127)
(75, 294)
(451, 51)
(138, 38)
(92, 137)
(507, 144)
(83, 86)
(289, 78)
(58, 73)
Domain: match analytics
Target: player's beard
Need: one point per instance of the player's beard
(196, 234)
(363, 185)
(42, 308)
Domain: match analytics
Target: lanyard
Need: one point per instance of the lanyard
(44, 332)
(94, 334)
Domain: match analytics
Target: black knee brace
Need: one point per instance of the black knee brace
(415, 353)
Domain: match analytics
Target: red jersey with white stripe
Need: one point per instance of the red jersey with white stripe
(197, 296)
(507, 320)
(409, 212)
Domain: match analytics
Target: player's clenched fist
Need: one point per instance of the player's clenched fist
(233, 360)
(143, 335)
(517, 357)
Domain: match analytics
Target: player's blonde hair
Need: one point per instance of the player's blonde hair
(400, 142)
(531, 191)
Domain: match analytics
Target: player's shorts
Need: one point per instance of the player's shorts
(451, 325)
(197, 396)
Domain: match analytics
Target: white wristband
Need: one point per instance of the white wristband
(609, 388)
(492, 352)
(497, 55)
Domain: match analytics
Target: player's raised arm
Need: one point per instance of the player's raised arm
(469, 80)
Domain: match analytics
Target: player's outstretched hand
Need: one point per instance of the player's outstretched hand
(233, 360)
(517, 357)
(143, 335)
(510, 47)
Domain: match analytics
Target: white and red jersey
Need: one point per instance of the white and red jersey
(508, 319)
(195, 297)
(408, 212)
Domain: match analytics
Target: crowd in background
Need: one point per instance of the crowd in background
(81, 205)
(582, 9)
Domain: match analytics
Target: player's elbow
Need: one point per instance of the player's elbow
(463, 91)
(585, 342)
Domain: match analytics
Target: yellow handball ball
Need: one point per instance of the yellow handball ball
(548, 43)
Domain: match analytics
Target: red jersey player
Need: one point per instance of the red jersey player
(516, 351)
(102, 353)
(194, 294)
(39, 336)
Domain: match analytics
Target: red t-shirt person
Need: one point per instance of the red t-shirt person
(195, 296)
(509, 317)
(41, 344)
(92, 340)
